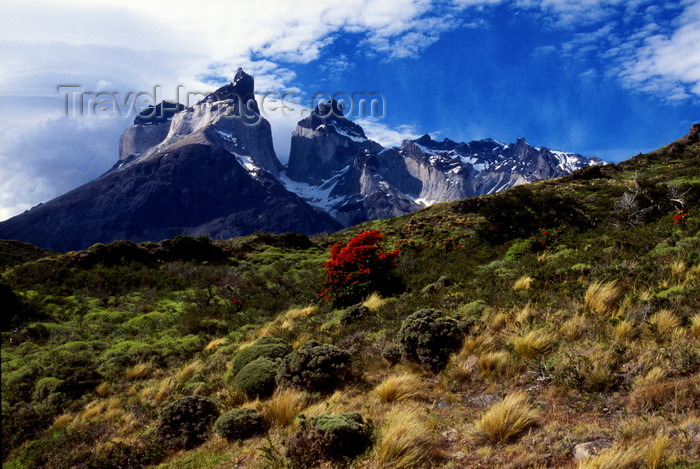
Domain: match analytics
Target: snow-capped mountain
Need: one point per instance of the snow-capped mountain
(211, 169)
(206, 170)
(335, 167)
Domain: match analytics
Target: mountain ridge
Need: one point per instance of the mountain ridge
(335, 176)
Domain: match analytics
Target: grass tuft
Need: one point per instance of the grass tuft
(615, 458)
(601, 297)
(374, 301)
(62, 421)
(534, 343)
(505, 421)
(695, 325)
(283, 407)
(523, 283)
(476, 345)
(656, 453)
(189, 370)
(405, 441)
(624, 330)
(103, 389)
(496, 364)
(662, 323)
(573, 328)
(291, 315)
(399, 387)
(138, 371)
(214, 344)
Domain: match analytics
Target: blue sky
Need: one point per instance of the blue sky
(601, 78)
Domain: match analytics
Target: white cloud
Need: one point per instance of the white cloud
(384, 135)
(667, 64)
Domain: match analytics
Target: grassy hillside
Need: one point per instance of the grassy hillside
(563, 312)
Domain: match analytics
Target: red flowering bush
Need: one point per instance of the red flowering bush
(542, 241)
(680, 217)
(357, 269)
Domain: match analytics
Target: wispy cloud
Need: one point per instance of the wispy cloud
(666, 64)
(385, 135)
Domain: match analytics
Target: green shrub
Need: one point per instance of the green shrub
(521, 212)
(329, 437)
(257, 378)
(46, 386)
(392, 353)
(16, 312)
(239, 424)
(429, 338)
(315, 367)
(185, 423)
(268, 347)
(353, 314)
(517, 249)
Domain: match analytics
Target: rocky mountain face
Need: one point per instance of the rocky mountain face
(206, 170)
(211, 169)
(335, 167)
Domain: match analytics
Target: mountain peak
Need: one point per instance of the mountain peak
(426, 139)
(241, 88)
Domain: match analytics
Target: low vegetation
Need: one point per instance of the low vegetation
(500, 331)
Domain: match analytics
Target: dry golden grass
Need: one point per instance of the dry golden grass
(291, 315)
(214, 344)
(147, 393)
(138, 371)
(112, 415)
(695, 326)
(405, 440)
(103, 389)
(624, 330)
(164, 388)
(654, 375)
(476, 345)
(679, 271)
(285, 321)
(189, 370)
(600, 372)
(92, 410)
(399, 387)
(615, 458)
(601, 297)
(129, 422)
(374, 301)
(535, 342)
(505, 421)
(500, 321)
(662, 323)
(339, 401)
(674, 396)
(301, 340)
(284, 406)
(656, 453)
(523, 283)
(62, 421)
(574, 327)
(496, 364)
(525, 315)
(114, 403)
